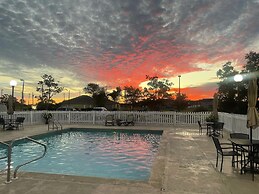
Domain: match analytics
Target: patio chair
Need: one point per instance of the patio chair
(2, 122)
(218, 129)
(129, 120)
(202, 126)
(109, 120)
(18, 123)
(241, 150)
(255, 160)
(224, 149)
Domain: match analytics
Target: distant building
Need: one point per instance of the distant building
(206, 103)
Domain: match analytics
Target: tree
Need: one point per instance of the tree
(48, 87)
(181, 102)
(233, 95)
(93, 89)
(227, 91)
(252, 64)
(97, 92)
(115, 94)
(158, 88)
(4, 98)
(132, 94)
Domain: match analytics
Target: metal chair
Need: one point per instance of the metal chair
(241, 150)
(202, 126)
(109, 120)
(224, 149)
(218, 129)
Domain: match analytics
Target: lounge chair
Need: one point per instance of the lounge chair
(18, 122)
(109, 120)
(129, 120)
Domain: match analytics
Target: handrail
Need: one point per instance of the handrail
(9, 152)
(55, 124)
(61, 127)
(45, 151)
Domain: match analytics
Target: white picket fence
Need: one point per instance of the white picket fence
(232, 122)
(98, 117)
(235, 123)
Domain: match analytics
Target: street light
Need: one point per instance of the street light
(22, 90)
(13, 83)
(179, 91)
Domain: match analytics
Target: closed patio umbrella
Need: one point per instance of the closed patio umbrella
(215, 105)
(252, 114)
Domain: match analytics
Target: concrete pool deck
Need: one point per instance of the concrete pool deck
(185, 164)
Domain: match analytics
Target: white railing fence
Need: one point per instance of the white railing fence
(232, 122)
(98, 117)
(235, 123)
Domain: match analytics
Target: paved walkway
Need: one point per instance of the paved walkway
(185, 164)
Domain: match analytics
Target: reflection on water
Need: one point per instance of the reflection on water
(114, 154)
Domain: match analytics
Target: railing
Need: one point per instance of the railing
(98, 117)
(9, 155)
(54, 124)
(233, 122)
(44, 153)
(236, 123)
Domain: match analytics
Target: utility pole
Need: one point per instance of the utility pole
(22, 91)
(179, 91)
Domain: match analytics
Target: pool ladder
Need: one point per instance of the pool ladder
(54, 124)
(9, 157)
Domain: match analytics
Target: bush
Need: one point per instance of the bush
(212, 118)
(47, 117)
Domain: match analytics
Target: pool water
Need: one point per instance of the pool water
(99, 153)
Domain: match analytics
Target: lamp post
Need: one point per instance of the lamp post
(22, 90)
(238, 78)
(11, 103)
(179, 91)
(13, 83)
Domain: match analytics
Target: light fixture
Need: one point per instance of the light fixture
(13, 83)
(238, 78)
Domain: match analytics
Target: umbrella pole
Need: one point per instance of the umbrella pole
(251, 134)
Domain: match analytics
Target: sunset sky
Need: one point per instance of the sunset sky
(119, 42)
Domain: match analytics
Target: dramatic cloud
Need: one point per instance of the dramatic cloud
(117, 43)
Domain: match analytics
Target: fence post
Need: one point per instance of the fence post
(174, 118)
(69, 117)
(31, 117)
(93, 117)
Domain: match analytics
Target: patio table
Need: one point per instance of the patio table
(251, 148)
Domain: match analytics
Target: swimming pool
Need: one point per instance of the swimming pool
(121, 154)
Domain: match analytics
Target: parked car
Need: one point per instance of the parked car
(99, 109)
(65, 109)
